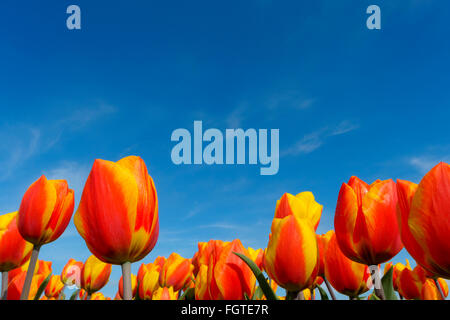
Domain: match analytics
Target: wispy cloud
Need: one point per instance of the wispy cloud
(423, 164)
(314, 140)
(290, 99)
(22, 142)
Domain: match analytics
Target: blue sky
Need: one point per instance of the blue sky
(347, 100)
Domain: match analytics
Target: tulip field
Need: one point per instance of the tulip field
(118, 219)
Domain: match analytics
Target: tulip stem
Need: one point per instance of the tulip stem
(378, 287)
(126, 278)
(330, 289)
(30, 272)
(4, 285)
(439, 288)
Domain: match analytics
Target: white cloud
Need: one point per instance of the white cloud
(425, 163)
(314, 140)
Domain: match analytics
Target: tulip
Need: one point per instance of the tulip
(44, 214)
(176, 272)
(94, 275)
(165, 294)
(118, 213)
(71, 273)
(159, 261)
(54, 287)
(257, 256)
(133, 286)
(203, 254)
(425, 226)
(148, 279)
(229, 277)
(322, 243)
(410, 282)
(99, 296)
(15, 288)
(14, 250)
(430, 291)
(346, 276)
(303, 205)
(291, 255)
(366, 221)
(201, 284)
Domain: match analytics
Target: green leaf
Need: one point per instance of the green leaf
(137, 292)
(388, 285)
(265, 287)
(42, 287)
(258, 294)
(189, 294)
(323, 293)
(374, 297)
(74, 295)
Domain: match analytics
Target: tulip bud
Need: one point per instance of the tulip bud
(45, 211)
(165, 294)
(118, 212)
(148, 279)
(366, 221)
(94, 274)
(176, 272)
(14, 250)
(291, 255)
(71, 273)
(303, 205)
(54, 287)
(346, 276)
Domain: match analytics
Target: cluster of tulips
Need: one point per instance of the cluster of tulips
(118, 219)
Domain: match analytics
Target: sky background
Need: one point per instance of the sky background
(347, 100)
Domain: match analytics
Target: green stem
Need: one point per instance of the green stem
(30, 272)
(4, 285)
(126, 278)
(330, 289)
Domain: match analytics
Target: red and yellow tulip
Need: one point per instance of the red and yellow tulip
(16, 285)
(291, 255)
(148, 278)
(94, 274)
(165, 294)
(346, 276)
(303, 206)
(118, 212)
(425, 226)
(14, 250)
(176, 272)
(71, 273)
(54, 287)
(45, 211)
(366, 221)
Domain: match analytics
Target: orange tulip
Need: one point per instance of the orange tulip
(71, 273)
(133, 285)
(257, 256)
(54, 287)
(14, 250)
(16, 285)
(118, 212)
(322, 243)
(398, 268)
(94, 274)
(346, 276)
(303, 205)
(425, 226)
(203, 254)
(290, 258)
(431, 292)
(366, 221)
(201, 284)
(160, 261)
(165, 294)
(45, 211)
(410, 282)
(99, 296)
(229, 277)
(42, 267)
(148, 280)
(176, 272)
